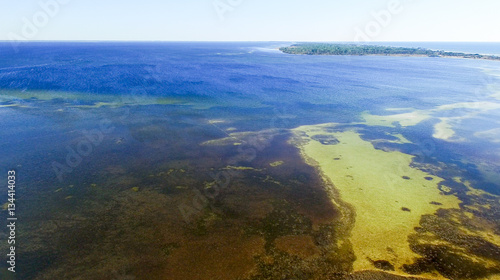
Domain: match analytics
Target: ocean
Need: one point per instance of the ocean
(204, 160)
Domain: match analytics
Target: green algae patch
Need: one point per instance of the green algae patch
(98, 105)
(230, 167)
(222, 142)
(276, 163)
(444, 130)
(404, 119)
(46, 95)
(375, 183)
(96, 100)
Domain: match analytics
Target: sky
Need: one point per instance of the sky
(251, 20)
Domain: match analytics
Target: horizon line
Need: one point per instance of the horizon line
(237, 41)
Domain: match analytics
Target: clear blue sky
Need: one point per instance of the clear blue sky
(251, 20)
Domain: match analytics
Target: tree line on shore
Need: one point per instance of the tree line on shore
(352, 49)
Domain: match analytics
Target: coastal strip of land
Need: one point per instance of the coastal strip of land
(353, 49)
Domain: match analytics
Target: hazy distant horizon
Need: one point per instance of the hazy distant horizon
(484, 48)
(258, 20)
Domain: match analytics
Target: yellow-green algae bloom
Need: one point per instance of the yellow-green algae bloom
(276, 163)
(388, 195)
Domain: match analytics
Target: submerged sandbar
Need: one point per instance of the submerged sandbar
(389, 196)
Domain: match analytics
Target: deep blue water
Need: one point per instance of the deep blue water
(237, 70)
(254, 79)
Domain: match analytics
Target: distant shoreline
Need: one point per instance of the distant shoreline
(373, 50)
